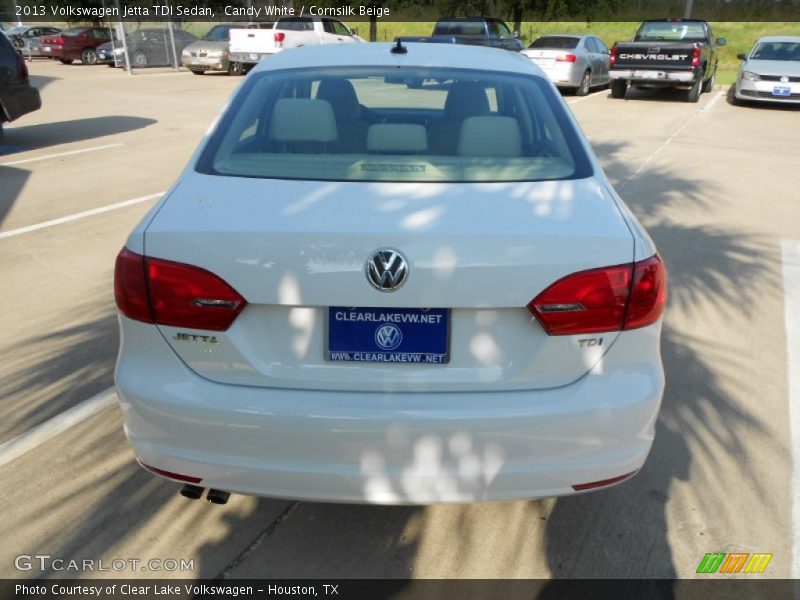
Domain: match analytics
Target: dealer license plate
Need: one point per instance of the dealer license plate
(388, 335)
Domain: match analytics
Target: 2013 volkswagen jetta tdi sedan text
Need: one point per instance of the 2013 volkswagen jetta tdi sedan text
(363, 292)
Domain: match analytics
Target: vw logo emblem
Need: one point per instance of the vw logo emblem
(387, 270)
(785, 79)
(388, 336)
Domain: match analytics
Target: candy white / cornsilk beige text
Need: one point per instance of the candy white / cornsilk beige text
(271, 10)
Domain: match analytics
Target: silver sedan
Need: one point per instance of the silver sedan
(576, 62)
(771, 71)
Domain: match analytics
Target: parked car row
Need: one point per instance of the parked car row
(154, 47)
(28, 39)
(678, 54)
(212, 52)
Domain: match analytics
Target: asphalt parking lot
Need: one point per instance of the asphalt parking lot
(716, 186)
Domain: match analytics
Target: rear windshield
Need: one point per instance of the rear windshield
(674, 31)
(776, 51)
(460, 28)
(556, 42)
(218, 33)
(295, 24)
(424, 125)
(73, 32)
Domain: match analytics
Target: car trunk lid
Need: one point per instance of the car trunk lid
(293, 249)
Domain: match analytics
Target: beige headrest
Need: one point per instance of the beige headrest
(302, 120)
(397, 137)
(490, 137)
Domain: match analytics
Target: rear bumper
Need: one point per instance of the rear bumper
(51, 51)
(108, 58)
(654, 75)
(567, 76)
(204, 63)
(390, 448)
(248, 58)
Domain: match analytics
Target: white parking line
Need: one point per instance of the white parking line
(587, 97)
(60, 154)
(710, 104)
(657, 151)
(790, 250)
(77, 216)
(37, 436)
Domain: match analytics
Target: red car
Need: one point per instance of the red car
(78, 43)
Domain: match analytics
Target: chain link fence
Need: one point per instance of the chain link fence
(138, 47)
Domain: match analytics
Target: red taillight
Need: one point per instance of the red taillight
(130, 286)
(696, 56)
(279, 37)
(607, 299)
(613, 57)
(171, 475)
(648, 293)
(570, 58)
(170, 293)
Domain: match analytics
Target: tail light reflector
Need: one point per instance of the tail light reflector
(613, 57)
(696, 56)
(130, 287)
(570, 58)
(171, 475)
(648, 293)
(279, 37)
(170, 293)
(607, 299)
(579, 487)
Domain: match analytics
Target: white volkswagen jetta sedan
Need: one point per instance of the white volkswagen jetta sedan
(362, 292)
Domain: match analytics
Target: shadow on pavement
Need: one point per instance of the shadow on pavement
(41, 81)
(623, 532)
(13, 181)
(49, 373)
(43, 135)
(655, 95)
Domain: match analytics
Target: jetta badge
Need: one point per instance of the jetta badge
(785, 79)
(387, 270)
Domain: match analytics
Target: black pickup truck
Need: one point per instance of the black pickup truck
(474, 31)
(676, 53)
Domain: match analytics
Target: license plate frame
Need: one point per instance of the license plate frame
(545, 63)
(780, 91)
(418, 336)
